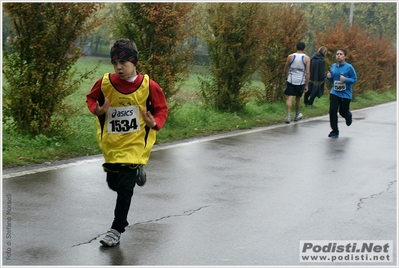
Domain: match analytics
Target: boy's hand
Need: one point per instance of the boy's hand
(148, 118)
(100, 110)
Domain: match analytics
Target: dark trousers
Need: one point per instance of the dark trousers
(123, 183)
(340, 105)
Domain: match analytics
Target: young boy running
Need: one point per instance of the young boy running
(129, 109)
(342, 76)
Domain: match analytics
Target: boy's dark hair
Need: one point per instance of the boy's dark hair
(300, 46)
(126, 43)
(343, 50)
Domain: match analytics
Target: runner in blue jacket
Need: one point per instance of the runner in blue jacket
(342, 75)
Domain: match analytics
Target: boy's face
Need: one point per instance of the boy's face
(124, 69)
(340, 56)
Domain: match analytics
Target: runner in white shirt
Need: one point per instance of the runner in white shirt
(297, 68)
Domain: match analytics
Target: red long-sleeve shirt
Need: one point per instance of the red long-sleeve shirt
(157, 97)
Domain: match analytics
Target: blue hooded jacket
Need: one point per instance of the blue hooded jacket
(342, 89)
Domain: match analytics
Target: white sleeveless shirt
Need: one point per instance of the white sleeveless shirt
(297, 71)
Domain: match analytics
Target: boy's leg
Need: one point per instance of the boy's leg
(334, 103)
(112, 180)
(124, 186)
(344, 111)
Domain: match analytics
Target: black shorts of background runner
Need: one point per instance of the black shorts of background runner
(294, 90)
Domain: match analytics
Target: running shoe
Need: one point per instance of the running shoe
(298, 117)
(288, 119)
(141, 177)
(333, 134)
(348, 119)
(111, 238)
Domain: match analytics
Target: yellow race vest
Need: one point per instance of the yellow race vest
(122, 133)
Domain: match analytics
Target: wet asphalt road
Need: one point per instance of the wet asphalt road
(246, 198)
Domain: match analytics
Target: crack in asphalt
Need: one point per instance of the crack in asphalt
(373, 195)
(88, 242)
(185, 213)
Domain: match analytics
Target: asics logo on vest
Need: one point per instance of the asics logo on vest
(117, 113)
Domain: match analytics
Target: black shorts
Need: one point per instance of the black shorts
(294, 90)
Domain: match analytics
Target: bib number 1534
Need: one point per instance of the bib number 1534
(123, 119)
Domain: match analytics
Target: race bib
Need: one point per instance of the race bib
(339, 86)
(123, 119)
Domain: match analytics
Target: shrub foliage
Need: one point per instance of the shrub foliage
(231, 33)
(38, 66)
(373, 58)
